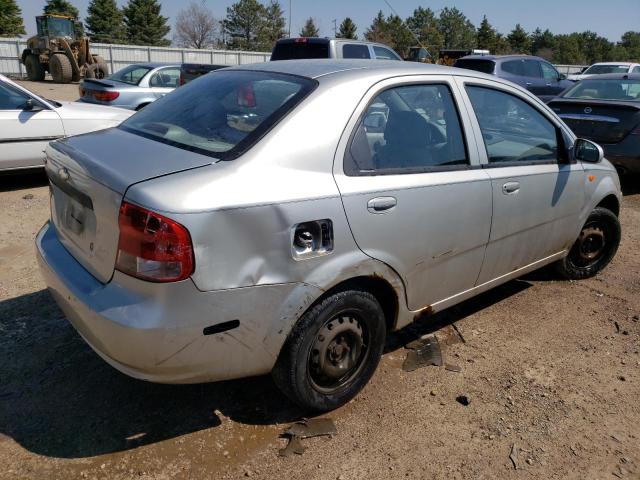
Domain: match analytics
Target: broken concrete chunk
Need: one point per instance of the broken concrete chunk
(293, 447)
(313, 427)
(422, 353)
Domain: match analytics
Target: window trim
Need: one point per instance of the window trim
(410, 170)
(560, 139)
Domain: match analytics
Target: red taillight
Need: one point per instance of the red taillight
(246, 96)
(182, 82)
(153, 247)
(301, 40)
(105, 96)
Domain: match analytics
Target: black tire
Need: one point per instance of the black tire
(96, 70)
(332, 351)
(595, 247)
(60, 68)
(35, 70)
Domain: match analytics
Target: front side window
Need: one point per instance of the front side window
(384, 53)
(513, 131)
(131, 74)
(408, 129)
(165, 78)
(636, 70)
(223, 113)
(11, 99)
(532, 68)
(514, 67)
(602, 69)
(548, 72)
(353, 50)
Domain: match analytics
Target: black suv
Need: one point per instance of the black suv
(533, 73)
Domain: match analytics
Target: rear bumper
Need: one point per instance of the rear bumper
(155, 331)
(625, 155)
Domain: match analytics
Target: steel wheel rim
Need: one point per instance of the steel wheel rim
(338, 352)
(590, 246)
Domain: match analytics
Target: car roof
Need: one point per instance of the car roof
(157, 64)
(614, 76)
(317, 68)
(500, 57)
(327, 40)
(628, 64)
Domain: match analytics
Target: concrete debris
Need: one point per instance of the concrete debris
(423, 353)
(307, 428)
(513, 456)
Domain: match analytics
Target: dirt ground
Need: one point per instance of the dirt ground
(551, 369)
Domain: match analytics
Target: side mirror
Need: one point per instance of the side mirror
(31, 106)
(562, 76)
(587, 151)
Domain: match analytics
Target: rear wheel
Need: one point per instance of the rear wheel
(35, 70)
(333, 351)
(595, 247)
(60, 68)
(96, 70)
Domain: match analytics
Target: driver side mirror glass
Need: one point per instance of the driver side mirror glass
(31, 106)
(562, 76)
(587, 151)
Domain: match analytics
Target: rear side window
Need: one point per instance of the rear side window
(384, 53)
(484, 66)
(131, 74)
(300, 49)
(408, 129)
(352, 50)
(548, 72)
(165, 78)
(514, 132)
(514, 67)
(223, 113)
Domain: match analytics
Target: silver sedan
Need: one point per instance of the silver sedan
(284, 217)
(134, 87)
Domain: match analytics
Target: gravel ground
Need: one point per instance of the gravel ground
(550, 368)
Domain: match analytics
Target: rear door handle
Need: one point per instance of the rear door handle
(528, 84)
(510, 188)
(381, 204)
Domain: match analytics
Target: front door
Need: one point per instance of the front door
(537, 193)
(25, 131)
(412, 191)
(164, 81)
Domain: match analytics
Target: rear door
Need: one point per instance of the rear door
(553, 85)
(164, 81)
(24, 133)
(414, 196)
(537, 193)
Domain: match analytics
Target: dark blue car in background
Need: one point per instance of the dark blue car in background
(533, 73)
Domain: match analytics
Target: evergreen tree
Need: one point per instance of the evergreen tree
(519, 40)
(401, 38)
(10, 19)
(61, 7)
(243, 24)
(379, 30)
(543, 43)
(456, 29)
(487, 36)
(145, 25)
(347, 29)
(105, 23)
(424, 24)
(310, 29)
(272, 26)
(630, 46)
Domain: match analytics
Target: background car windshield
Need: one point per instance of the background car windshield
(220, 111)
(131, 74)
(624, 90)
(600, 69)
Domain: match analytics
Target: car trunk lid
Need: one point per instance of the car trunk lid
(602, 122)
(89, 175)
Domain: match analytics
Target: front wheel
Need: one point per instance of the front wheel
(333, 351)
(595, 247)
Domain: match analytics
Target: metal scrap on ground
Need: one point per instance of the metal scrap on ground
(306, 428)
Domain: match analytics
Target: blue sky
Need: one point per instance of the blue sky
(609, 18)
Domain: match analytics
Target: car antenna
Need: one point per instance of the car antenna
(407, 27)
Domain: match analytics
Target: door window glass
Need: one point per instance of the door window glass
(532, 68)
(548, 72)
(384, 53)
(11, 99)
(408, 129)
(352, 50)
(513, 130)
(636, 70)
(166, 78)
(514, 67)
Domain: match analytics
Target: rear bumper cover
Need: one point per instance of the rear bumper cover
(155, 331)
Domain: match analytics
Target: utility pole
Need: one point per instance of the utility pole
(289, 18)
(335, 27)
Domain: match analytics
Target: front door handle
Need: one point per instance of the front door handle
(381, 204)
(510, 188)
(528, 84)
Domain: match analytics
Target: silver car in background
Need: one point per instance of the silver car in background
(134, 87)
(284, 217)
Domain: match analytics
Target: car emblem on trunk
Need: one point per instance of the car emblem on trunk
(588, 110)
(63, 173)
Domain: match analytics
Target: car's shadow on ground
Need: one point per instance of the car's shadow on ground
(20, 181)
(60, 399)
(630, 184)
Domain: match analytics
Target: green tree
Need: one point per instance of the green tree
(61, 7)
(456, 29)
(424, 24)
(310, 29)
(543, 43)
(379, 30)
(630, 42)
(502, 45)
(145, 25)
(567, 50)
(272, 26)
(519, 40)
(347, 29)
(105, 22)
(243, 24)
(10, 19)
(401, 37)
(596, 48)
(487, 36)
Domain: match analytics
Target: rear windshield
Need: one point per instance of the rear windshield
(624, 90)
(131, 74)
(600, 69)
(300, 50)
(484, 66)
(220, 114)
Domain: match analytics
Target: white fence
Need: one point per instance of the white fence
(119, 56)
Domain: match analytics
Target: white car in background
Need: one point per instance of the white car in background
(606, 67)
(28, 123)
